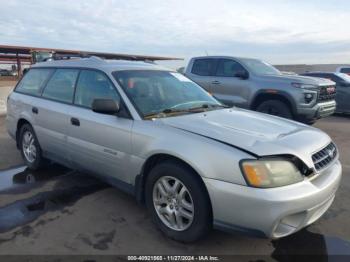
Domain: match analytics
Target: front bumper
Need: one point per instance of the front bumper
(274, 212)
(319, 110)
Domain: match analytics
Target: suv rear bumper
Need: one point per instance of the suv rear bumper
(273, 212)
(319, 110)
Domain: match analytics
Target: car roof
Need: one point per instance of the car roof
(227, 57)
(101, 64)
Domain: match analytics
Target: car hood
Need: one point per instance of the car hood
(256, 133)
(299, 79)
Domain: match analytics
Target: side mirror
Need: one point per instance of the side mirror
(242, 74)
(105, 106)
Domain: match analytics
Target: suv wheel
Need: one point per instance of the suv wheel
(178, 202)
(30, 148)
(275, 107)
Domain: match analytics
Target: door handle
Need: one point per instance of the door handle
(35, 110)
(75, 121)
(216, 82)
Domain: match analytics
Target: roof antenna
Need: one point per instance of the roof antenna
(206, 52)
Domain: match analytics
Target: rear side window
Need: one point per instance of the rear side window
(33, 81)
(229, 68)
(93, 85)
(316, 75)
(61, 85)
(204, 67)
(345, 70)
(332, 77)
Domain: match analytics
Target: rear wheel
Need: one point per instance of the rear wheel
(30, 148)
(178, 202)
(276, 108)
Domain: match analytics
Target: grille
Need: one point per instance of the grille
(325, 156)
(325, 95)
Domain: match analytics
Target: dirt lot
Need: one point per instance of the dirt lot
(5, 88)
(57, 211)
(9, 81)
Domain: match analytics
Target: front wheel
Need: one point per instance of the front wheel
(30, 148)
(178, 202)
(276, 108)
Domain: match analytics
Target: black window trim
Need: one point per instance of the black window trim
(123, 105)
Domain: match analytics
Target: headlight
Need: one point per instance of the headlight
(305, 86)
(270, 173)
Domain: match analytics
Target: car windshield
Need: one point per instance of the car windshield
(162, 93)
(260, 67)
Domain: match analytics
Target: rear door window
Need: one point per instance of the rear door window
(204, 67)
(345, 70)
(332, 77)
(33, 81)
(61, 85)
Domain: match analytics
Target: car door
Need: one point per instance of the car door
(51, 113)
(98, 143)
(343, 97)
(202, 72)
(229, 88)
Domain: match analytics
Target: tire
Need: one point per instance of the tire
(275, 107)
(184, 229)
(309, 122)
(30, 148)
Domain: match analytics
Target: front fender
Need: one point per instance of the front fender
(209, 158)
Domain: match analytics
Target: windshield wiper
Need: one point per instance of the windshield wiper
(168, 111)
(206, 106)
(165, 112)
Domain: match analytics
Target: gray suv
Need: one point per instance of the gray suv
(157, 135)
(256, 85)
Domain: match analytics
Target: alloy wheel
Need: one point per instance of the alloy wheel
(28, 146)
(173, 203)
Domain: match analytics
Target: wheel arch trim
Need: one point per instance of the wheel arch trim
(275, 94)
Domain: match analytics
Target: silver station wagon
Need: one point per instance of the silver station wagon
(196, 163)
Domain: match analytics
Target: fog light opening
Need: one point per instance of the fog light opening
(308, 97)
(289, 224)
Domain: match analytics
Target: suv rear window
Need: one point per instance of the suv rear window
(332, 77)
(33, 81)
(204, 67)
(345, 70)
(61, 85)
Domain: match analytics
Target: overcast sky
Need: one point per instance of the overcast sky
(279, 31)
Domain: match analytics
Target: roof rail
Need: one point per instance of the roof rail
(57, 56)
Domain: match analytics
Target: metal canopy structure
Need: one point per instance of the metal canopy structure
(28, 55)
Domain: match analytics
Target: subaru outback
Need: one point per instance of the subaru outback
(194, 162)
